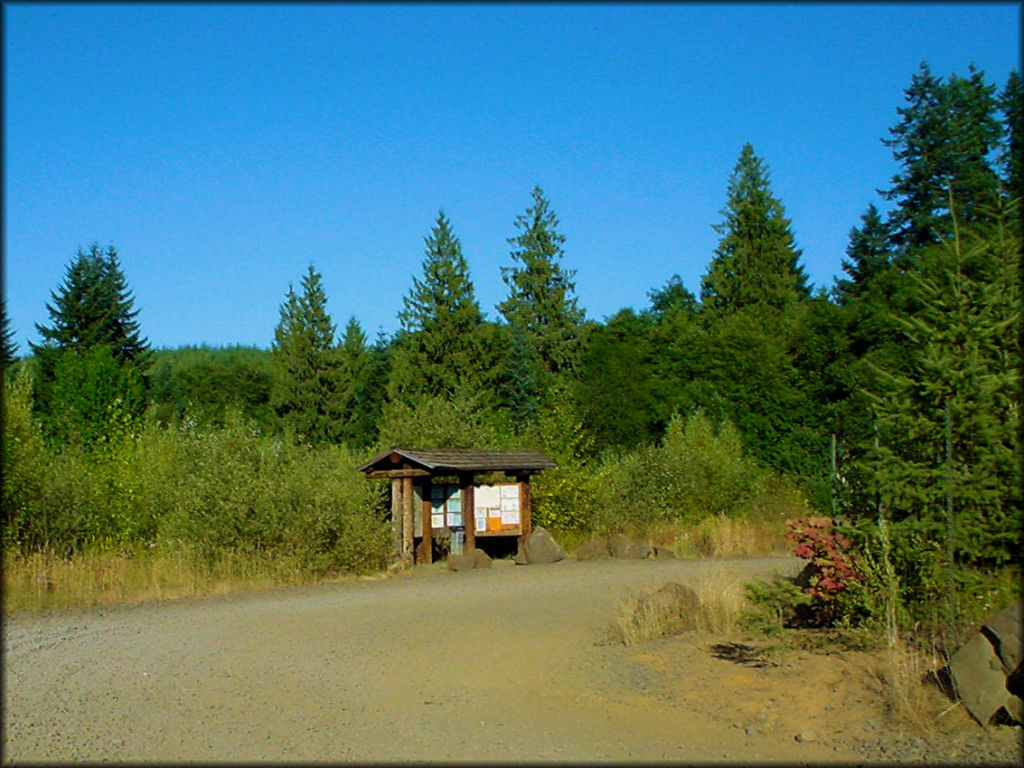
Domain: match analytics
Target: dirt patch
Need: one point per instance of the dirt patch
(503, 664)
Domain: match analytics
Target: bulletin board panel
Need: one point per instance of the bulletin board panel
(496, 509)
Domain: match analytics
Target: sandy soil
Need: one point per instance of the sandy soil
(506, 664)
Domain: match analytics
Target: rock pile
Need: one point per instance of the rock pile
(988, 672)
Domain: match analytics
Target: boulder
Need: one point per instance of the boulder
(481, 559)
(986, 669)
(539, 547)
(467, 561)
(595, 549)
(618, 545)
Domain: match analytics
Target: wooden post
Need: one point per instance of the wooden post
(426, 548)
(396, 516)
(524, 505)
(407, 522)
(468, 516)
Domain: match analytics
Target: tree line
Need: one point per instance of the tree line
(890, 399)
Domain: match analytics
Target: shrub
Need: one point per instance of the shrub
(829, 570)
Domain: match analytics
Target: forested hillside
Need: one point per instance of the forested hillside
(888, 402)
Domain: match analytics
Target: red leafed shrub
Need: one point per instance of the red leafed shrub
(829, 569)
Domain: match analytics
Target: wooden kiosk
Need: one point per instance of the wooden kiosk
(418, 478)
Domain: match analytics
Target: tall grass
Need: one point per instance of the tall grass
(42, 581)
(710, 604)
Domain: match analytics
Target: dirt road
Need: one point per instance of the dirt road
(505, 664)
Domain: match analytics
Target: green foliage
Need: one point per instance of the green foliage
(943, 143)
(440, 346)
(541, 303)
(563, 497)
(94, 400)
(462, 420)
(1011, 102)
(756, 262)
(8, 347)
(255, 494)
(699, 471)
(94, 331)
(618, 369)
(867, 254)
(206, 382)
(775, 604)
(949, 419)
(305, 388)
(211, 492)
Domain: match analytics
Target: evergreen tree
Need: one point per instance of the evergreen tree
(618, 389)
(92, 309)
(360, 400)
(949, 417)
(868, 253)
(944, 144)
(94, 306)
(1011, 101)
(438, 349)
(541, 304)
(304, 393)
(9, 349)
(756, 262)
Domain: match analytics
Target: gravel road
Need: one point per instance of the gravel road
(505, 664)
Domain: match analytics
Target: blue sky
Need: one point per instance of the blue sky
(223, 149)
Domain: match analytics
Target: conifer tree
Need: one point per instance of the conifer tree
(94, 306)
(944, 142)
(867, 254)
(360, 402)
(92, 315)
(304, 392)
(438, 347)
(541, 305)
(756, 262)
(9, 350)
(1011, 102)
(949, 416)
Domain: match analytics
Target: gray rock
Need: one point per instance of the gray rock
(467, 561)
(481, 559)
(984, 672)
(595, 549)
(618, 545)
(664, 553)
(540, 548)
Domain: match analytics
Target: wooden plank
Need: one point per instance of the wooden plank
(407, 522)
(397, 473)
(426, 549)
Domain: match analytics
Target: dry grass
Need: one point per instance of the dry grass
(721, 536)
(712, 604)
(44, 581)
(904, 677)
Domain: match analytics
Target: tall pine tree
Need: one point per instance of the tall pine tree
(305, 360)
(867, 254)
(1011, 102)
(944, 143)
(92, 317)
(756, 263)
(438, 349)
(541, 304)
(9, 348)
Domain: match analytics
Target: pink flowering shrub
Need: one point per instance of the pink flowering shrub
(829, 570)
